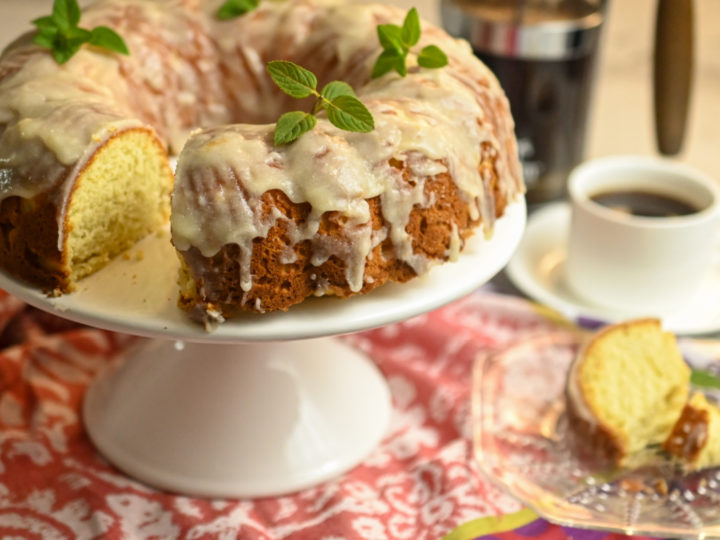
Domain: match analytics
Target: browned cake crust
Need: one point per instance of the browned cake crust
(689, 435)
(28, 242)
(278, 285)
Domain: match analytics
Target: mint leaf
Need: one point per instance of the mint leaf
(45, 22)
(349, 113)
(411, 28)
(63, 53)
(704, 379)
(73, 41)
(107, 38)
(292, 79)
(389, 60)
(45, 37)
(66, 14)
(234, 8)
(343, 108)
(291, 125)
(337, 88)
(79, 35)
(432, 57)
(396, 43)
(390, 37)
(61, 34)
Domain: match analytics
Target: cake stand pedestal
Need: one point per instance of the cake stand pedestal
(250, 420)
(261, 405)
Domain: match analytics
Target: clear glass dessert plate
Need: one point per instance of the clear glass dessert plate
(523, 442)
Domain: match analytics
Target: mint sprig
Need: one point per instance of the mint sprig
(397, 41)
(60, 33)
(337, 99)
(234, 8)
(704, 379)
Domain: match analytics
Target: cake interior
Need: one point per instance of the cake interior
(122, 195)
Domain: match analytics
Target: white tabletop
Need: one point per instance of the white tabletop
(621, 119)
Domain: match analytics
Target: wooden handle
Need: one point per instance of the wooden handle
(673, 68)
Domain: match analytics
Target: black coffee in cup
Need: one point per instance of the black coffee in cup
(645, 203)
(543, 53)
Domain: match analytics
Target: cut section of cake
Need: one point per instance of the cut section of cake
(627, 388)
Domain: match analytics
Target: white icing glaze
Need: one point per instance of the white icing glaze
(41, 108)
(223, 173)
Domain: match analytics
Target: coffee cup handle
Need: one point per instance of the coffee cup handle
(672, 72)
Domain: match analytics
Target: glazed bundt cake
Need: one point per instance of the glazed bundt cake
(627, 387)
(257, 227)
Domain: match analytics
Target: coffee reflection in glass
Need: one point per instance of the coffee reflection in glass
(543, 53)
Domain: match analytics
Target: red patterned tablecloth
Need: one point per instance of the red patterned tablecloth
(419, 484)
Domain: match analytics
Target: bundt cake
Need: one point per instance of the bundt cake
(258, 227)
(627, 388)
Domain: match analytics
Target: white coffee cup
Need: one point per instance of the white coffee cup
(638, 264)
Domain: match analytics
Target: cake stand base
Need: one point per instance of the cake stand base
(240, 420)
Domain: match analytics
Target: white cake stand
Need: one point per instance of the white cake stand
(264, 404)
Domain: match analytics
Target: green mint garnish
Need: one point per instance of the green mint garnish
(336, 89)
(411, 28)
(704, 379)
(337, 98)
(61, 34)
(292, 79)
(348, 113)
(389, 60)
(291, 125)
(234, 8)
(396, 42)
(432, 57)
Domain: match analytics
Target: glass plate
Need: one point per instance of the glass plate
(523, 442)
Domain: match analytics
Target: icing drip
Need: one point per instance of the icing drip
(225, 172)
(453, 251)
(43, 108)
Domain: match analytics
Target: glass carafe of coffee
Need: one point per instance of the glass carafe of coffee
(543, 53)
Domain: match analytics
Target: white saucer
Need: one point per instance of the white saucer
(538, 270)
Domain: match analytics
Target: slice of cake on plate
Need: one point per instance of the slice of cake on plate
(627, 395)
(627, 388)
